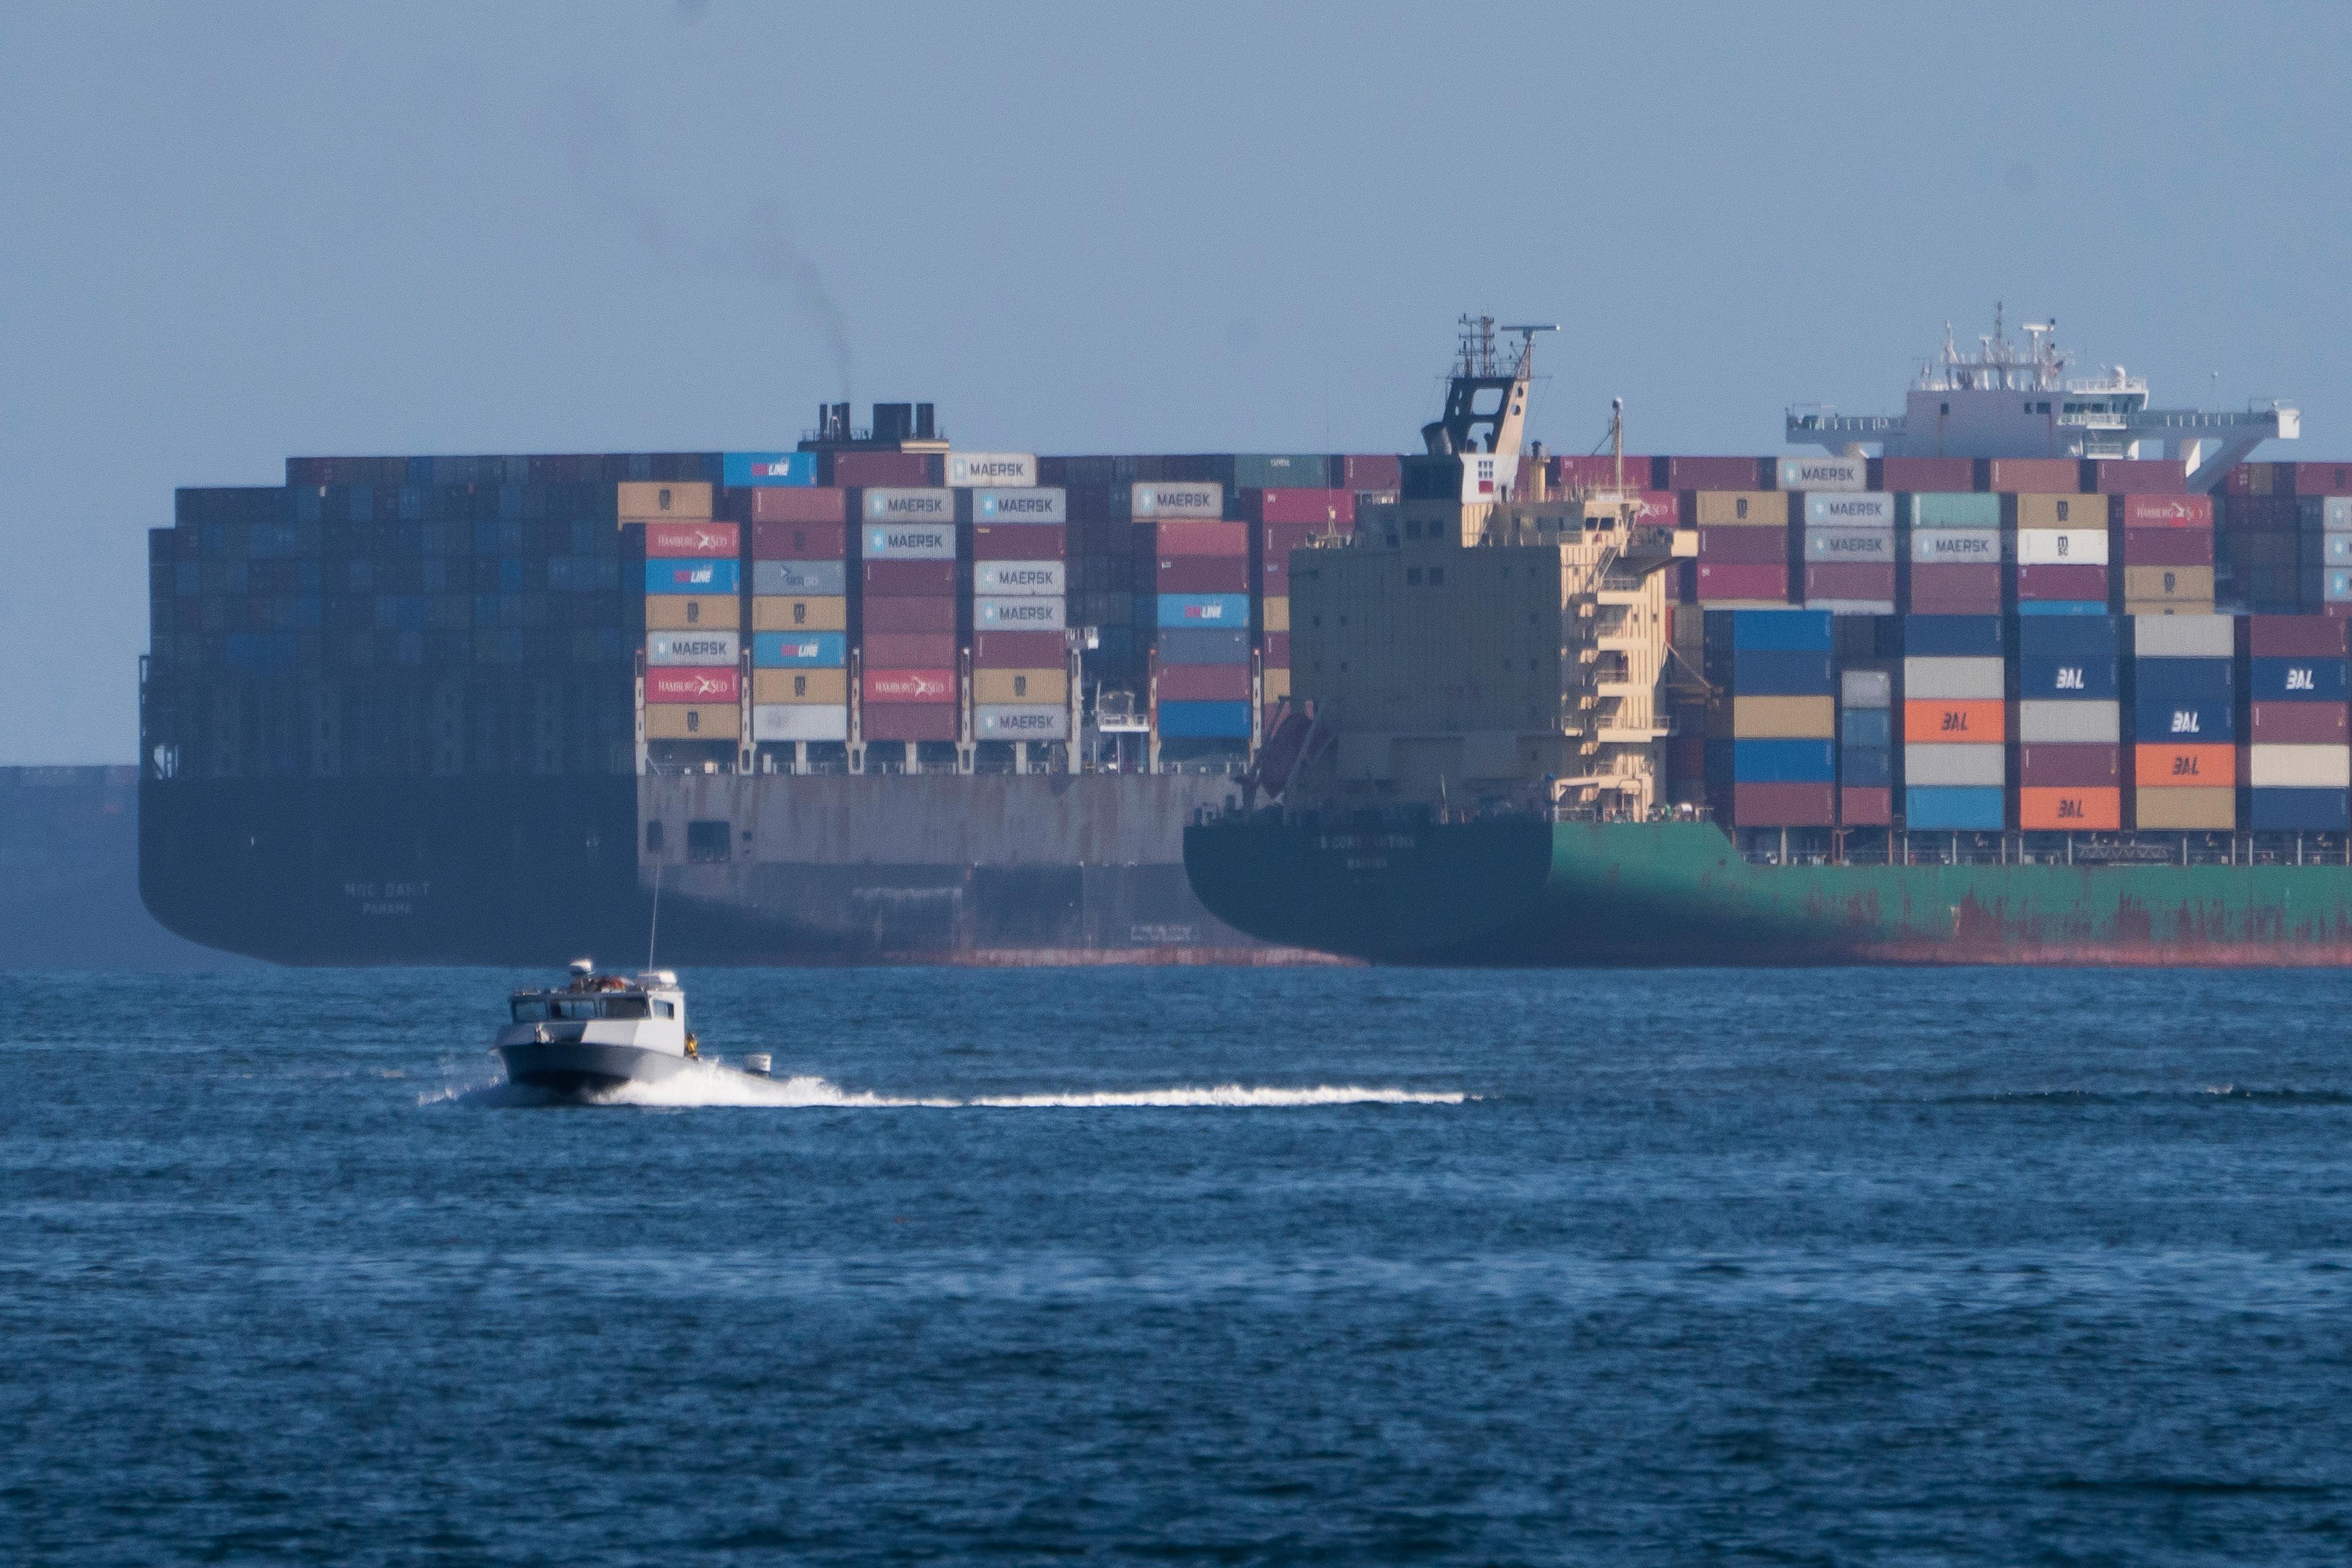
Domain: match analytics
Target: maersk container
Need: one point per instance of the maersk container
(1204, 646)
(2156, 720)
(691, 647)
(1150, 503)
(2295, 679)
(1867, 508)
(2298, 810)
(1954, 509)
(1949, 809)
(1925, 678)
(1203, 720)
(692, 576)
(1836, 544)
(1045, 505)
(1022, 614)
(2068, 678)
(1935, 765)
(1203, 611)
(1824, 474)
(1019, 579)
(1021, 722)
(800, 579)
(2062, 547)
(799, 650)
(745, 470)
(800, 721)
(910, 542)
(1956, 546)
(1010, 469)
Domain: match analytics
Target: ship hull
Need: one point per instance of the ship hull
(582, 1069)
(1668, 894)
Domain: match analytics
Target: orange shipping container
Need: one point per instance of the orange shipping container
(2069, 810)
(1982, 720)
(2185, 767)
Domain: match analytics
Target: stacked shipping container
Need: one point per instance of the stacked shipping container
(2164, 544)
(1955, 724)
(1200, 584)
(2062, 555)
(2184, 716)
(2069, 772)
(1743, 543)
(1772, 741)
(1019, 613)
(2295, 766)
(799, 613)
(1865, 748)
(694, 688)
(907, 632)
(1954, 564)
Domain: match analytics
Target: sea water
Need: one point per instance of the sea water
(1186, 1264)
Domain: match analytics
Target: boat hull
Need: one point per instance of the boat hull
(580, 1068)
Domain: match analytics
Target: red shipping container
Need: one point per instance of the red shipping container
(672, 683)
(1201, 539)
(1848, 580)
(1018, 650)
(1784, 804)
(1955, 580)
(1593, 472)
(1274, 580)
(1204, 683)
(880, 470)
(1865, 807)
(1328, 509)
(683, 541)
(2035, 476)
(911, 684)
(889, 722)
(1018, 542)
(2137, 476)
(1202, 574)
(909, 650)
(2294, 636)
(910, 578)
(2167, 546)
(2044, 766)
(1744, 546)
(1281, 538)
(798, 503)
(1372, 471)
(2297, 724)
(2315, 478)
(1277, 651)
(800, 540)
(2051, 582)
(1719, 582)
(930, 613)
(1719, 473)
(2167, 511)
(1934, 476)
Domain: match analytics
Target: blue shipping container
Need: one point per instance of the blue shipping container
(2196, 681)
(1201, 647)
(799, 650)
(1953, 808)
(1952, 637)
(2298, 810)
(2071, 635)
(1784, 762)
(1872, 768)
(2187, 722)
(1780, 631)
(1203, 720)
(1867, 727)
(691, 576)
(2045, 676)
(1204, 612)
(1773, 672)
(743, 469)
(2295, 680)
(2041, 609)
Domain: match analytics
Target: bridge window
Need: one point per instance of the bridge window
(708, 840)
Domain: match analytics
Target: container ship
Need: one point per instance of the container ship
(2031, 672)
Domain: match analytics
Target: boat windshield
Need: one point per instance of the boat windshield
(540, 1009)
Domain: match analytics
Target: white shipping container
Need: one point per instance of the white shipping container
(909, 541)
(2336, 515)
(2062, 547)
(800, 579)
(799, 721)
(1976, 546)
(1007, 469)
(1023, 721)
(1148, 503)
(1048, 505)
(1949, 679)
(696, 648)
(1867, 509)
(1018, 579)
(2299, 767)
(2182, 637)
(1849, 544)
(910, 506)
(1866, 688)
(2069, 723)
(1018, 615)
(1824, 474)
(1938, 764)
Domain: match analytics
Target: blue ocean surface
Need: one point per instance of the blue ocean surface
(1187, 1265)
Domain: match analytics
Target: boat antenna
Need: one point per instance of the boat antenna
(653, 926)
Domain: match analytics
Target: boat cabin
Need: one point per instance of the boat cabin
(647, 1008)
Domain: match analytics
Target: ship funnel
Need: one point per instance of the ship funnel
(582, 968)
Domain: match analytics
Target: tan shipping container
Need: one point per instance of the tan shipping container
(2169, 585)
(1008, 688)
(1783, 718)
(2167, 606)
(774, 686)
(1277, 612)
(684, 612)
(2061, 511)
(2187, 810)
(770, 614)
(693, 722)
(1740, 509)
(1277, 683)
(655, 500)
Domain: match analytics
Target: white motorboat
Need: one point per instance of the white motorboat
(599, 1031)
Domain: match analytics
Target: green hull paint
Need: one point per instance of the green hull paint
(1530, 893)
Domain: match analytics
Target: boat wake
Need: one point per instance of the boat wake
(715, 1086)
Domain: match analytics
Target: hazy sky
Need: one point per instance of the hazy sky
(229, 232)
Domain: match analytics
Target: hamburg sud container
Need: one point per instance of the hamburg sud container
(693, 687)
(1865, 748)
(2165, 545)
(800, 614)
(907, 635)
(2184, 706)
(1200, 583)
(2061, 554)
(1954, 565)
(1020, 610)
(1743, 545)
(2068, 726)
(1955, 723)
(1772, 727)
(1281, 520)
(1849, 547)
(2294, 755)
